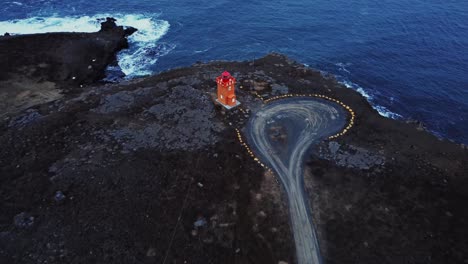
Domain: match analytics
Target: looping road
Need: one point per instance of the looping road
(280, 133)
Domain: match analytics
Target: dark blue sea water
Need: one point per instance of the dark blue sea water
(410, 58)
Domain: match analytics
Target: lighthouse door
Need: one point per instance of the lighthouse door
(231, 100)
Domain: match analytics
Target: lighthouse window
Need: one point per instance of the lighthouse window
(221, 96)
(233, 100)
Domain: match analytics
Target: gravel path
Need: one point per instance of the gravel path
(280, 133)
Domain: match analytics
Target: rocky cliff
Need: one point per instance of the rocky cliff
(151, 170)
(36, 68)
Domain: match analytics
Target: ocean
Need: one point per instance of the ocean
(408, 58)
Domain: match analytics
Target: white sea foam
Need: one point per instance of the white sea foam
(50, 24)
(137, 60)
(14, 3)
(383, 111)
(201, 51)
(144, 47)
(358, 88)
(342, 66)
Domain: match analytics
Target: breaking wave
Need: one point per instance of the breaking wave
(144, 48)
(383, 111)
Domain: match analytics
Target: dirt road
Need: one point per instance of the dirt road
(280, 133)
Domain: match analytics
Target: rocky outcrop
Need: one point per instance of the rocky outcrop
(35, 67)
(72, 58)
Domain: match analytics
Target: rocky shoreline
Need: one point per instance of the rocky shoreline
(37, 68)
(151, 170)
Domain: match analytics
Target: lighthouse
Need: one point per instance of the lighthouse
(226, 90)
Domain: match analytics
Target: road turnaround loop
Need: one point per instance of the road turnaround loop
(351, 112)
(279, 135)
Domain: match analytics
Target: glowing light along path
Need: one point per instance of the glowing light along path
(280, 133)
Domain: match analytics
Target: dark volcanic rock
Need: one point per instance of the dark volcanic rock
(62, 57)
(109, 25)
(153, 172)
(36, 66)
(23, 220)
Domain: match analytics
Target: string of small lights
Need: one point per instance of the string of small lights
(345, 130)
(251, 154)
(351, 112)
(249, 151)
(242, 110)
(259, 96)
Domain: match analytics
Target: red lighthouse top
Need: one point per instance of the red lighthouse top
(226, 76)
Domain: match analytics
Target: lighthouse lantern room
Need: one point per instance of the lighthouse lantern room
(226, 90)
